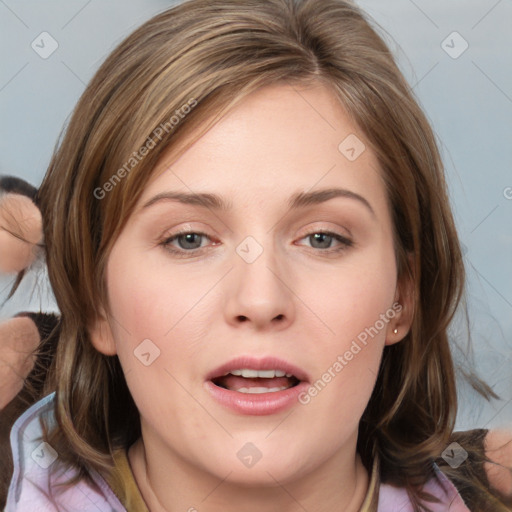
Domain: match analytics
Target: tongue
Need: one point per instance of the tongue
(234, 383)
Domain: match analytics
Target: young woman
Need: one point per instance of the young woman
(250, 242)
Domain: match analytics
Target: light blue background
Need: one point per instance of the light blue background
(468, 100)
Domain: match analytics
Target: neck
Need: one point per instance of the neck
(170, 484)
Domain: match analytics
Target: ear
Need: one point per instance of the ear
(403, 305)
(21, 229)
(101, 335)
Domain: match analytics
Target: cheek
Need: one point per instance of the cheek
(152, 326)
(351, 297)
(355, 305)
(143, 300)
(150, 302)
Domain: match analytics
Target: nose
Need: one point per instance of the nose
(259, 293)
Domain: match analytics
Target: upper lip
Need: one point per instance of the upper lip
(258, 363)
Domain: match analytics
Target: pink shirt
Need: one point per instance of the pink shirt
(32, 485)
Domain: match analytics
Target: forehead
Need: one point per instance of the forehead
(277, 141)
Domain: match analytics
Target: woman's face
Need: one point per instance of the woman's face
(255, 287)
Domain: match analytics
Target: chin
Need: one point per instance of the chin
(259, 463)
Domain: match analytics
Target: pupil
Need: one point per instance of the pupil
(322, 237)
(189, 239)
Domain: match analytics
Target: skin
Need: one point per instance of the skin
(498, 445)
(19, 337)
(300, 303)
(20, 230)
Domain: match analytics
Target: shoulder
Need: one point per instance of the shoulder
(396, 498)
(37, 477)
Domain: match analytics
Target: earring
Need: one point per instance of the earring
(395, 331)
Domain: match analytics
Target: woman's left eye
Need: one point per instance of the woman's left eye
(323, 240)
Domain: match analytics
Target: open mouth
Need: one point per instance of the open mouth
(257, 386)
(256, 381)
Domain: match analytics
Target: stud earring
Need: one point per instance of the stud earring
(395, 331)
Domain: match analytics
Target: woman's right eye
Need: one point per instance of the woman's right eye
(187, 242)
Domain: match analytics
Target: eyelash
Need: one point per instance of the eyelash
(182, 253)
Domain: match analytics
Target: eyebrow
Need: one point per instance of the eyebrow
(298, 200)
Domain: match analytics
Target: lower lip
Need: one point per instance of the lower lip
(257, 404)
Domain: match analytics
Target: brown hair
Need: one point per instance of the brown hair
(214, 53)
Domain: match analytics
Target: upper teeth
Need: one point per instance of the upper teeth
(263, 374)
